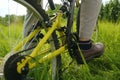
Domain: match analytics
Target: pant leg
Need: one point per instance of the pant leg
(88, 17)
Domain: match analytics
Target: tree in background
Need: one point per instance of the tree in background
(110, 11)
(9, 19)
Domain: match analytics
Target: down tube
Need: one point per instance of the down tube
(41, 43)
(49, 56)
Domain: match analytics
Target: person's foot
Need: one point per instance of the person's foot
(94, 51)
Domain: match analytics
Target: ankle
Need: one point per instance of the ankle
(85, 45)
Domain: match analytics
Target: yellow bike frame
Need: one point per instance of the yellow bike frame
(35, 52)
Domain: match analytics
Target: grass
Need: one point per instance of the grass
(107, 67)
(8, 36)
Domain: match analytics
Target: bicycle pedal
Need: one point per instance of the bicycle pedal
(77, 56)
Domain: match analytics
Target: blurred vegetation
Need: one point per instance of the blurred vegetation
(9, 19)
(110, 11)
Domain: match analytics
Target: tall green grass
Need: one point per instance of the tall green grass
(8, 37)
(107, 67)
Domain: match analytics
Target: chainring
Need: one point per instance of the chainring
(10, 68)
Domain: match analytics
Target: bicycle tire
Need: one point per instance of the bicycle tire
(69, 27)
(78, 20)
(34, 7)
(38, 12)
(51, 3)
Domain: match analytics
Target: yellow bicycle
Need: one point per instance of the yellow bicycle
(53, 37)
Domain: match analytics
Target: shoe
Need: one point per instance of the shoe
(94, 52)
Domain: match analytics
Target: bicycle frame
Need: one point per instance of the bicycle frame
(48, 31)
(35, 52)
(66, 38)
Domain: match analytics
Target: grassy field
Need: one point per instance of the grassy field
(8, 36)
(107, 67)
